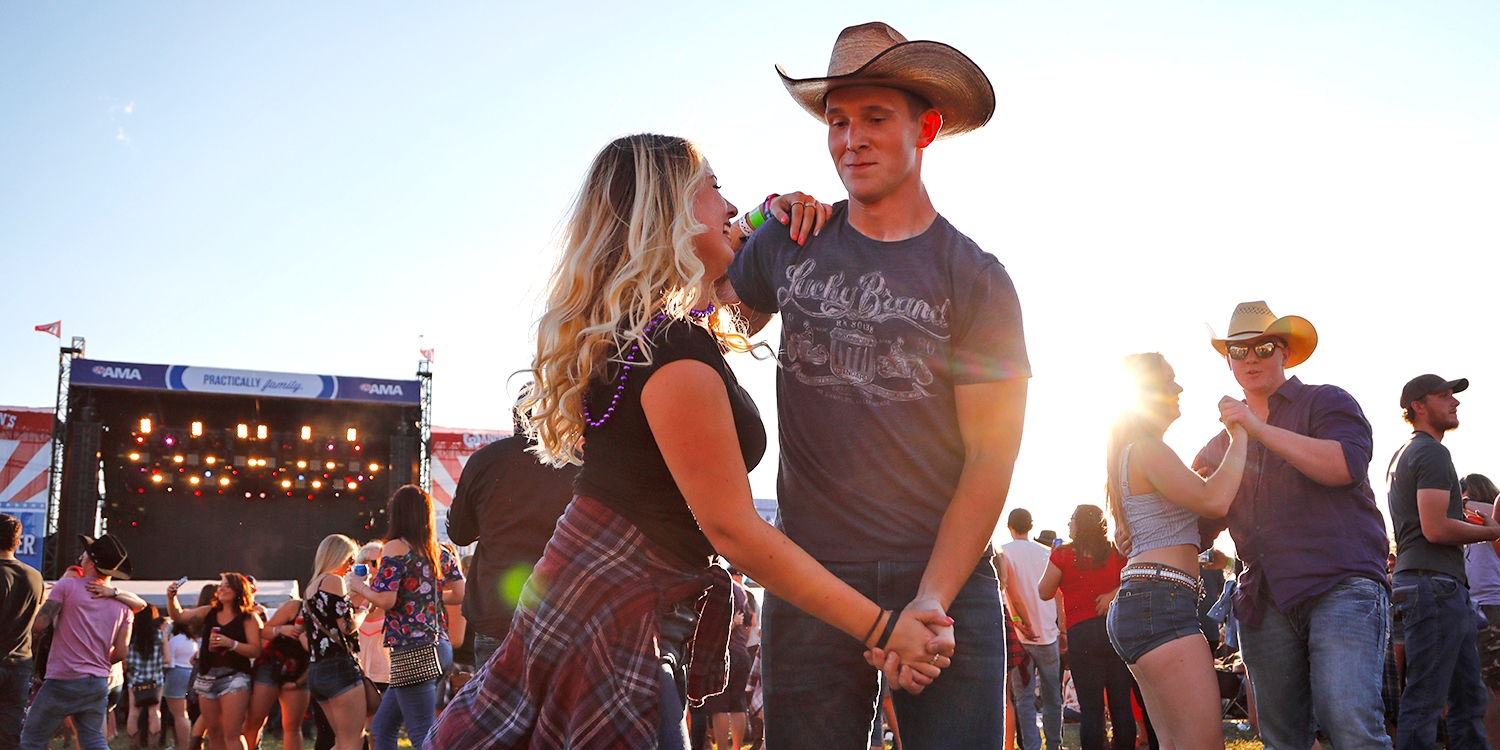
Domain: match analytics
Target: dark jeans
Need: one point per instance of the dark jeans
(821, 693)
(1098, 671)
(1442, 663)
(15, 686)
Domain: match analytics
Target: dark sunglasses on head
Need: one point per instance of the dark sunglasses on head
(1263, 350)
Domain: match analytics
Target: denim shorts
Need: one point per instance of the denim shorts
(177, 679)
(270, 673)
(332, 676)
(1150, 613)
(221, 681)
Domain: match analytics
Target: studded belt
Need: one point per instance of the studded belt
(1149, 571)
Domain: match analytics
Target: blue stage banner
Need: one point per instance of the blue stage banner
(243, 382)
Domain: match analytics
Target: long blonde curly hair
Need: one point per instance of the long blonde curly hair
(626, 253)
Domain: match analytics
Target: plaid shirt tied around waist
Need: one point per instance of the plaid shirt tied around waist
(580, 668)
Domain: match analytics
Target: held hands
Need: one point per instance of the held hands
(1238, 419)
(804, 214)
(920, 647)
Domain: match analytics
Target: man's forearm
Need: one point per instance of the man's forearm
(967, 527)
(1320, 460)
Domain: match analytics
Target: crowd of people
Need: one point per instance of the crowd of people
(600, 613)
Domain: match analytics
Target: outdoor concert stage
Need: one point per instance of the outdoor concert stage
(200, 470)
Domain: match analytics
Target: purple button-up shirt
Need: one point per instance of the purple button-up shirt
(1298, 538)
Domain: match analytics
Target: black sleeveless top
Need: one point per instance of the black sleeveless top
(624, 469)
(211, 659)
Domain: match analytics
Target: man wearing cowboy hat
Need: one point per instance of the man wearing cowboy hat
(1312, 601)
(92, 632)
(1430, 584)
(901, 393)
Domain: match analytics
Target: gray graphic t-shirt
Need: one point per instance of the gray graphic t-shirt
(875, 335)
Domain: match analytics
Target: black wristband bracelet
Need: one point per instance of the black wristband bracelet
(873, 625)
(890, 627)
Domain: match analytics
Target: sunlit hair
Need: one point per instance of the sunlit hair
(1090, 537)
(332, 552)
(1140, 417)
(1481, 489)
(370, 552)
(244, 599)
(626, 253)
(409, 517)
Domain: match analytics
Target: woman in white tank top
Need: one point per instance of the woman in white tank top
(1156, 501)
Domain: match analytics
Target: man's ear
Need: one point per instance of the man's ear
(932, 124)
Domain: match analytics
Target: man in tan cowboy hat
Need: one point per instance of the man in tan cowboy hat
(92, 632)
(901, 396)
(1312, 603)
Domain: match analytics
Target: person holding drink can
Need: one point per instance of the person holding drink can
(230, 642)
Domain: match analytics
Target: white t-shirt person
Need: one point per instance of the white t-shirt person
(1028, 561)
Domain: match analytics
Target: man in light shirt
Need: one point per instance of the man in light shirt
(1037, 625)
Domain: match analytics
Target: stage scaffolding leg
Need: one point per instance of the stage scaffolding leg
(50, 567)
(424, 373)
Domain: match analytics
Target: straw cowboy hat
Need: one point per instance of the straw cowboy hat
(1254, 320)
(874, 54)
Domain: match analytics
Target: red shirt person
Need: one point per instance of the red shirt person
(1087, 573)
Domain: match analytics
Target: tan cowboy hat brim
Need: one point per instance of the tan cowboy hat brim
(942, 75)
(1299, 334)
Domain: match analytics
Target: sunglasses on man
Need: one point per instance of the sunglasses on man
(1263, 350)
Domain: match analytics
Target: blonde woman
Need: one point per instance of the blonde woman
(629, 358)
(330, 621)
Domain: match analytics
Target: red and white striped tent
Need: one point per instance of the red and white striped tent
(451, 448)
(25, 458)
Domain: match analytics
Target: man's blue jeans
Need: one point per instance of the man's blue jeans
(411, 705)
(1319, 664)
(85, 700)
(1442, 663)
(820, 693)
(1046, 675)
(15, 688)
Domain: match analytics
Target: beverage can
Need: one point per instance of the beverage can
(361, 570)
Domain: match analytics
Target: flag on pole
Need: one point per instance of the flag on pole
(54, 328)
(427, 353)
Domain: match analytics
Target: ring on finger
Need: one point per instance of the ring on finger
(933, 660)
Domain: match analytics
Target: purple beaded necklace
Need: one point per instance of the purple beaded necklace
(630, 360)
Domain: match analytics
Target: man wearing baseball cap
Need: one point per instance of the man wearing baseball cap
(901, 394)
(1430, 587)
(1312, 603)
(93, 632)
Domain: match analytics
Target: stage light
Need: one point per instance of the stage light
(317, 484)
(353, 485)
(140, 439)
(145, 425)
(177, 459)
(193, 481)
(242, 431)
(210, 460)
(260, 432)
(223, 481)
(306, 432)
(302, 464)
(351, 435)
(156, 478)
(169, 440)
(135, 456)
(329, 466)
(286, 484)
(197, 429)
(374, 467)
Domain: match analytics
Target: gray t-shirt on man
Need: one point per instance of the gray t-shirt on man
(1423, 463)
(875, 336)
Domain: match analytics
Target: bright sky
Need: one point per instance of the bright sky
(310, 188)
